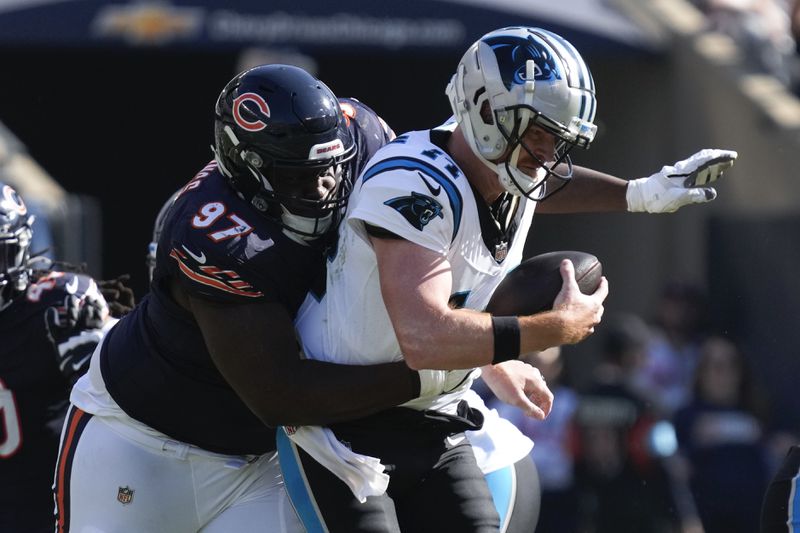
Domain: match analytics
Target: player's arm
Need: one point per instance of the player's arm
(416, 286)
(264, 368)
(589, 191)
(674, 186)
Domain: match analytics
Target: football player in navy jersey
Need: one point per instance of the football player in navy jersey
(170, 428)
(50, 322)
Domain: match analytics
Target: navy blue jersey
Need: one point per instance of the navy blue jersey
(41, 355)
(155, 363)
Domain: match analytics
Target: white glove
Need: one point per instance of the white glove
(438, 382)
(681, 184)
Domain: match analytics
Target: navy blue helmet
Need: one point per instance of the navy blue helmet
(277, 130)
(15, 241)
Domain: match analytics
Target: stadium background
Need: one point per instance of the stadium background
(114, 102)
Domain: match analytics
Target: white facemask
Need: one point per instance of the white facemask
(304, 225)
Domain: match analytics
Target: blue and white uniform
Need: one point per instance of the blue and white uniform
(413, 190)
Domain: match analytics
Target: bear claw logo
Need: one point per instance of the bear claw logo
(418, 209)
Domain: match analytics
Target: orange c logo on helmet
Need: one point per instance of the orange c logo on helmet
(348, 111)
(255, 123)
(12, 201)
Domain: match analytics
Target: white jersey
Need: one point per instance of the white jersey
(412, 189)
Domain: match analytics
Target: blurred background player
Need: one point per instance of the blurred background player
(175, 410)
(724, 424)
(50, 323)
(621, 484)
(680, 324)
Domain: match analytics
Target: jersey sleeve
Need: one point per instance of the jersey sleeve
(205, 246)
(411, 199)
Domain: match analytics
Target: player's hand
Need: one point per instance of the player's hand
(74, 315)
(685, 182)
(519, 384)
(581, 312)
(118, 295)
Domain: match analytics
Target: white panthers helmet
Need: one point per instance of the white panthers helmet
(524, 77)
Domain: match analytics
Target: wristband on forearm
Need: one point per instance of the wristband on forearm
(506, 338)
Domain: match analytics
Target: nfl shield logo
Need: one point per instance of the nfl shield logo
(500, 251)
(125, 495)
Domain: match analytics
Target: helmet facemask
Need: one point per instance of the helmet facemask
(550, 177)
(15, 271)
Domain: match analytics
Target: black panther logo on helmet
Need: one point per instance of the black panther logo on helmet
(512, 53)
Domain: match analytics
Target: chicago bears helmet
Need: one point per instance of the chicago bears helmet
(277, 130)
(514, 78)
(15, 241)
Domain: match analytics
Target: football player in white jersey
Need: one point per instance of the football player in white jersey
(433, 224)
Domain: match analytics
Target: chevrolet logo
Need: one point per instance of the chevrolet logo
(148, 22)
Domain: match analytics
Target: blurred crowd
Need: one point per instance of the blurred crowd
(670, 433)
(766, 31)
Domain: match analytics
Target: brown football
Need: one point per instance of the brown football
(532, 287)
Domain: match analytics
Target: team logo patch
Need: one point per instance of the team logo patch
(125, 495)
(249, 111)
(418, 209)
(500, 251)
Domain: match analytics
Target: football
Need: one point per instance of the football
(532, 286)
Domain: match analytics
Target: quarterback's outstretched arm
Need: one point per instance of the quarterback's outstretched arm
(416, 284)
(589, 191)
(674, 186)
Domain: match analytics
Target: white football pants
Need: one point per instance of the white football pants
(113, 477)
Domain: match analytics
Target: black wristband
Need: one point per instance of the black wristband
(506, 338)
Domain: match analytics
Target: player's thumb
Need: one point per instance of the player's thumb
(567, 272)
(568, 284)
(700, 195)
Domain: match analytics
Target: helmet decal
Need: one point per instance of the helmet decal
(512, 55)
(11, 201)
(258, 109)
(348, 111)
